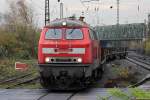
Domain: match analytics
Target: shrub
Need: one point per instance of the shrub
(147, 47)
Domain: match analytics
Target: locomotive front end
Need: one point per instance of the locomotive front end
(64, 55)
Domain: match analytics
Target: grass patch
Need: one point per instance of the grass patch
(128, 94)
(31, 86)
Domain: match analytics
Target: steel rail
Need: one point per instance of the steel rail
(72, 95)
(143, 65)
(42, 96)
(140, 63)
(15, 78)
(23, 82)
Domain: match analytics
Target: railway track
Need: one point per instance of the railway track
(139, 62)
(73, 94)
(22, 82)
(14, 78)
(142, 64)
(48, 96)
(142, 58)
(19, 80)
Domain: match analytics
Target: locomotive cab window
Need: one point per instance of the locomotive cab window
(93, 35)
(74, 34)
(53, 34)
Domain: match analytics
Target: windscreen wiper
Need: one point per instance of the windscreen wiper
(71, 31)
(54, 32)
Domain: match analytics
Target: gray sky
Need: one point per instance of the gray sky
(129, 12)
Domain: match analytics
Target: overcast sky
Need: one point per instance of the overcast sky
(131, 11)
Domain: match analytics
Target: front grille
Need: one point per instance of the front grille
(63, 60)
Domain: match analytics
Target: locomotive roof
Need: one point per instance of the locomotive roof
(69, 23)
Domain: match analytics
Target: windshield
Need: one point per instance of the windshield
(53, 34)
(74, 34)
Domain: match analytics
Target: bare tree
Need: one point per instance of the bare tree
(20, 22)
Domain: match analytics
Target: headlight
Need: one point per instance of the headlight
(47, 60)
(79, 60)
(64, 23)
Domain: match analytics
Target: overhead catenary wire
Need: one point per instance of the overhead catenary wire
(138, 9)
(118, 12)
(91, 5)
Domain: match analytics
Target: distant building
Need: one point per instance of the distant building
(125, 31)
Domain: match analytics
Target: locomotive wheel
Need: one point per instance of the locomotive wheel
(94, 74)
(43, 82)
(46, 82)
(124, 56)
(99, 73)
(118, 57)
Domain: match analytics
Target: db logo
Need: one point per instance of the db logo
(21, 66)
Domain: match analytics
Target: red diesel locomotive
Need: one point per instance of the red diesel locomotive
(69, 54)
